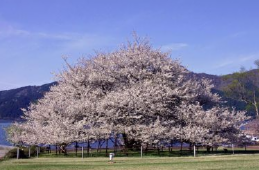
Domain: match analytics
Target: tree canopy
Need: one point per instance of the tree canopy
(136, 91)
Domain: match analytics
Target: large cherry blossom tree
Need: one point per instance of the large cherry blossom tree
(136, 91)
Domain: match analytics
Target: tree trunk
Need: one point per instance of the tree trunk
(56, 149)
(98, 145)
(106, 147)
(208, 148)
(115, 143)
(88, 147)
(76, 147)
(146, 149)
(63, 148)
(171, 145)
(125, 139)
(190, 147)
(158, 150)
(126, 143)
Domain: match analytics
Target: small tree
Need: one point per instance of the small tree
(244, 86)
(256, 62)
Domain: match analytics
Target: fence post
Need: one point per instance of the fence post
(18, 152)
(37, 151)
(82, 152)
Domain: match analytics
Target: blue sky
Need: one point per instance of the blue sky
(210, 36)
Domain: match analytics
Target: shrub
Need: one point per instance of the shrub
(13, 153)
(23, 152)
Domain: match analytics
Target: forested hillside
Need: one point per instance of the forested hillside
(11, 101)
(223, 84)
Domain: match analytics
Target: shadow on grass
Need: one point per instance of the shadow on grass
(152, 153)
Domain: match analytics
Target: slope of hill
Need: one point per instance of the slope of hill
(220, 82)
(11, 101)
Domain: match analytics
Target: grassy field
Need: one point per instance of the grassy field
(162, 163)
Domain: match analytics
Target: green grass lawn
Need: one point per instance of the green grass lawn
(162, 163)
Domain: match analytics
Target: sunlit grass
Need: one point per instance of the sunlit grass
(163, 163)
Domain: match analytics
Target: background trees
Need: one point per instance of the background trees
(243, 86)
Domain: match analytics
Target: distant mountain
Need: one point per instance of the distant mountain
(216, 80)
(11, 101)
(220, 82)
